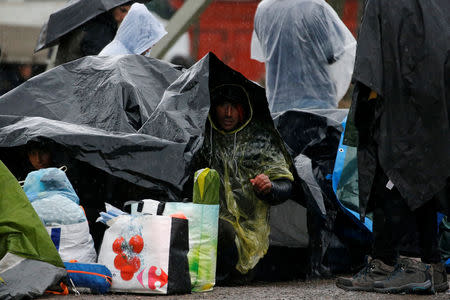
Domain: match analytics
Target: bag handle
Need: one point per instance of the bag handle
(74, 288)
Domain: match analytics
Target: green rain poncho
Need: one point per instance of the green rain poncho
(254, 148)
(21, 231)
(30, 263)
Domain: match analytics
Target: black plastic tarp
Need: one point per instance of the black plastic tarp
(128, 128)
(135, 118)
(338, 241)
(95, 108)
(403, 55)
(88, 113)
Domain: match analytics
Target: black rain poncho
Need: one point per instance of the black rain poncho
(253, 148)
(403, 55)
(308, 51)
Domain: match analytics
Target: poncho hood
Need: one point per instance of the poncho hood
(139, 31)
(308, 51)
(244, 101)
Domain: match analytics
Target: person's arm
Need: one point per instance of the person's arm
(272, 192)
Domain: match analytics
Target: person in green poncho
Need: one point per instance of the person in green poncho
(254, 171)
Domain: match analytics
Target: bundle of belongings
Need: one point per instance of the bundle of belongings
(50, 204)
(56, 203)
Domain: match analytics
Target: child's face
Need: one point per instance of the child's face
(40, 159)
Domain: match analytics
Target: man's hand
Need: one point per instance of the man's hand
(261, 184)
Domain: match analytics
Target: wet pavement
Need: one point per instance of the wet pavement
(311, 289)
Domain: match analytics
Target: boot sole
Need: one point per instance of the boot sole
(420, 288)
(354, 288)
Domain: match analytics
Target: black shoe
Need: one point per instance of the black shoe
(410, 276)
(236, 278)
(375, 270)
(439, 278)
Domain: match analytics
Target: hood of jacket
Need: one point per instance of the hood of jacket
(139, 31)
(233, 91)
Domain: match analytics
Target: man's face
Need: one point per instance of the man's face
(227, 115)
(120, 12)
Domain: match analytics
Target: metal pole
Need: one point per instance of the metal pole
(178, 24)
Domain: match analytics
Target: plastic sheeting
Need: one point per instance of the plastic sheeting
(134, 124)
(27, 278)
(94, 108)
(138, 32)
(345, 175)
(338, 241)
(308, 51)
(47, 182)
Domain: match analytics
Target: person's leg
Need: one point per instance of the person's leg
(428, 241)
(388, 204)
(227, 254)
(384, 254)
(428, 232)
(411, 275)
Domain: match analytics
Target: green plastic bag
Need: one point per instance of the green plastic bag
(203, 226)
(203, 217)
(206, 186)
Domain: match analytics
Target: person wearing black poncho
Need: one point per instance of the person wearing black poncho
(401, 110)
